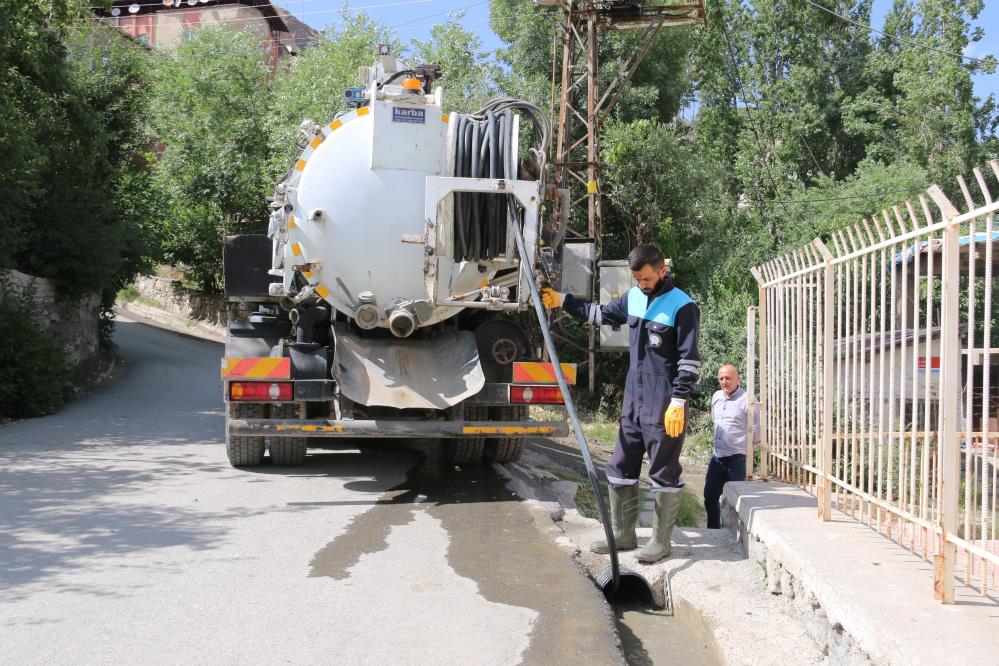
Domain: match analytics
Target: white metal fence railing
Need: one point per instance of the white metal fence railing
(875, 362)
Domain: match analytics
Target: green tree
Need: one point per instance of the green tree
(113, 73)
(31, 76)
(311, 86)
(771, 82)
(72, 112)
(210, 108)
(528, 29)
(873, 187)
(918, 103)
(653, 200)
(468, 72)
(46, 124)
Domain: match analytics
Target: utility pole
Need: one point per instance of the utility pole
(577, 147)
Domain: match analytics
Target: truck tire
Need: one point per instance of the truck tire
(467, 451)
(244, 451)
(507, 449)
(287, 451)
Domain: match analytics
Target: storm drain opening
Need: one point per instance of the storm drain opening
(631, 589)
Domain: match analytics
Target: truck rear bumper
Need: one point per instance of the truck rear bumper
(394, 428)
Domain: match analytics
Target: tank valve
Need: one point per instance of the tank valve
(366, 313)
(402, 323)
(495, 297)
(317, 215)
(366, 316)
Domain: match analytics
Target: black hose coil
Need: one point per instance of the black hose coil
(483, 148)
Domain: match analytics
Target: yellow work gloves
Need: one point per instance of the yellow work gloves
(551, 298)
(675, 417)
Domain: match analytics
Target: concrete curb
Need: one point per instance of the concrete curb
(707, 578)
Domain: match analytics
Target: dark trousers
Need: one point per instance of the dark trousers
(721, 471)
(642, 433)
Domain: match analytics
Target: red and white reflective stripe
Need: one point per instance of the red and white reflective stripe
(536, 395)
(261, 391)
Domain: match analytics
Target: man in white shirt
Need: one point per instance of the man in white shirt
(730, 408)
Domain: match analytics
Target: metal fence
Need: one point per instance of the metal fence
(877, 387)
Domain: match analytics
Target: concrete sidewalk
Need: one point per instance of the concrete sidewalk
(862, 596)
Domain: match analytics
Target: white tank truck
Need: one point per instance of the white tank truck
(388, 297)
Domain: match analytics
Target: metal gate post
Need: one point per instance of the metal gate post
(950, 369)
(764, 376)
(750, 387)
(826, 445)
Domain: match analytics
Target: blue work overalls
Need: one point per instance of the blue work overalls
(664, 365)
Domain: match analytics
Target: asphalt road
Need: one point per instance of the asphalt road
(125, 537)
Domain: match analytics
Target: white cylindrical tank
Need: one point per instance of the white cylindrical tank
(356, 192)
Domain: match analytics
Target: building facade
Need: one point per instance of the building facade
(167, 24)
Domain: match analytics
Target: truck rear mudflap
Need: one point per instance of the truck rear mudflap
(383, 428)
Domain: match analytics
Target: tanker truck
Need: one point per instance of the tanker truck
(389, 298)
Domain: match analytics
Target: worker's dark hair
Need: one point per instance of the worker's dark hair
(645, 255)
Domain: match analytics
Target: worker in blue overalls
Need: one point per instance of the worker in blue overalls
(663, 326)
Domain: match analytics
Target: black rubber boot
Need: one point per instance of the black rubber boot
(624, 509)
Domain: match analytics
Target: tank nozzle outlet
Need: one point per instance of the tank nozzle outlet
(366, 315)
(402, 323)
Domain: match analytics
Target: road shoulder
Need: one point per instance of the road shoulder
(708, 576)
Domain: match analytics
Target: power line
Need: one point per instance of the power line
(853, 197)
(899, 39)
(430, 16)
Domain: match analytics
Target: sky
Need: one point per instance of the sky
(414, 18)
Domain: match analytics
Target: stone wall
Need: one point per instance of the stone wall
(185, 303)
(73, 323)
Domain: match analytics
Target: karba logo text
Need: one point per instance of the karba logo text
(404, 115)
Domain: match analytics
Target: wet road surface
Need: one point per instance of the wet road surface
(126, 537)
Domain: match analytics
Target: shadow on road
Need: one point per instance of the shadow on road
(75, 484)
(52, 516)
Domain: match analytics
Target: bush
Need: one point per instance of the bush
(34, 378)
(128, 293)
(692, 513)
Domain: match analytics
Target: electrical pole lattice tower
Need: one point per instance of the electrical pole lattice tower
(583, 105)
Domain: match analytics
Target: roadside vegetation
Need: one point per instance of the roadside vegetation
(775, 123)
(34, 378)
(131, 294)
(691, 507)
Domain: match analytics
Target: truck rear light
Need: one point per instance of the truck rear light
(258, 391)
(536, 395)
